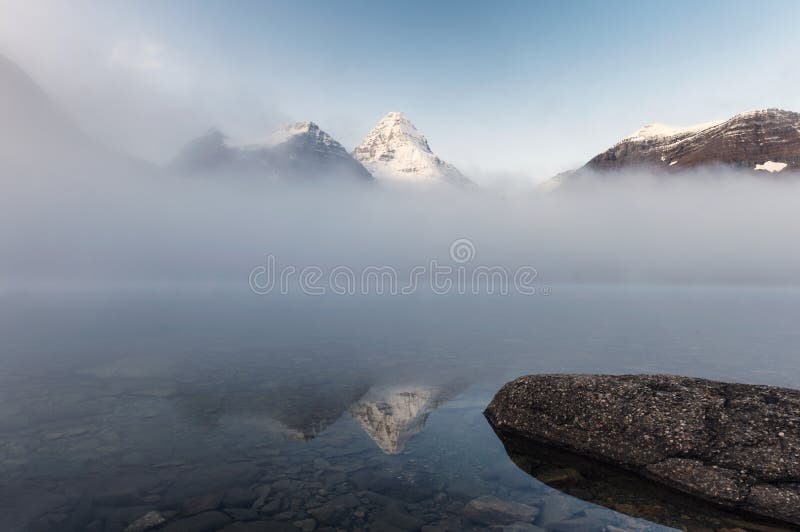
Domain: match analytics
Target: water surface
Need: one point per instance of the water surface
(350, 412)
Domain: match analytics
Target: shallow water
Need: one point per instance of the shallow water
(353, 412)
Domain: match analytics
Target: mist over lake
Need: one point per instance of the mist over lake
(321, 267)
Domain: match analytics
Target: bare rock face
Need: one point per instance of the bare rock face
(767, 140)
(735, 445)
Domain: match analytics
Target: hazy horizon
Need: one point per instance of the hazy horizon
(518, 94)
(706, 227)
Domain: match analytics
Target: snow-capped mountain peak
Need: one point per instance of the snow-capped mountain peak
(395, 149)
(308, 136)
(291, 130)
(395, 128)
(659, 130)
(308, 131)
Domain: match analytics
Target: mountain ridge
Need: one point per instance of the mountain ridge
(764, 141)
(744, 140)
(297, 151)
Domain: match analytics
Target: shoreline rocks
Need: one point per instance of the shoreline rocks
(735, 445)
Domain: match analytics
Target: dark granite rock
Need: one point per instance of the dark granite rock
(735, 445)
(617, 489)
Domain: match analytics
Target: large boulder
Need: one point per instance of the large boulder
(736, 445)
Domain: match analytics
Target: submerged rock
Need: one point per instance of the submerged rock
(619, 490)
(205, 522)
(489, 510)
(148, 521)
(735, 445)
(201, 503)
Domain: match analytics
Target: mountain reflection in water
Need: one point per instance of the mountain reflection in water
(392, 415)
(356, 414)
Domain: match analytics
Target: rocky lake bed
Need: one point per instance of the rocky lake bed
(204, 452)
(178, 417)
(131, 453)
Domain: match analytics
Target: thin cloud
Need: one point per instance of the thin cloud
(143, 55)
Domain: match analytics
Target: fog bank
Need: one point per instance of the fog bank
(118, 230)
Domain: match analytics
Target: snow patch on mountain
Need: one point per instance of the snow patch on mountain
(306, 129)
(771, 166)
(396, 150)
(658, 130)
(288, 131)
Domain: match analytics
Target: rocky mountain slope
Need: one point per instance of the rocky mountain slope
(300, 151)
(766, 141)
(395, 149)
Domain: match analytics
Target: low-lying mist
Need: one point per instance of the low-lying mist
(112, 230)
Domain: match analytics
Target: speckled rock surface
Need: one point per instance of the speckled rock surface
(736, 445)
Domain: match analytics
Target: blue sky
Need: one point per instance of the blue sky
(505, 90)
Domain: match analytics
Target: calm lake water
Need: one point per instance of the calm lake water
(300, 413)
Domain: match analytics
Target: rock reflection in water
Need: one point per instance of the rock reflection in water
(624, 491)
(393, 414)
(299, 404)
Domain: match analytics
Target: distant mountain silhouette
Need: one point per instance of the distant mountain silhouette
(297, 152)
(36, 134)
